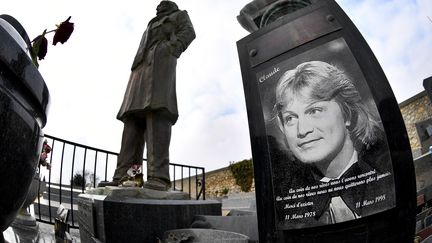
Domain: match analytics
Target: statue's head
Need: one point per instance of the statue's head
(166, 7)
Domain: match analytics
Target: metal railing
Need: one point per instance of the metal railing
(71, 160)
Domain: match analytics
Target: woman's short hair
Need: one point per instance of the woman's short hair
(327, 82)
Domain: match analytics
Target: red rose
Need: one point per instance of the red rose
(63, 32)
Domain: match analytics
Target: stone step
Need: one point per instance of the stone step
(237, 203)
(242, 195)
(55, 189)
(66, 197)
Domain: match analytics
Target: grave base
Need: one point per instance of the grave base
(113, 219)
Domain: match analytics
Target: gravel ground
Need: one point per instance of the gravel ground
(28, 235)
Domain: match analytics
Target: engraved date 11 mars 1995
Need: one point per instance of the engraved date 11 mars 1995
(377, 199)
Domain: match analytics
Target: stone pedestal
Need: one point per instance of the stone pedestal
(132, 218)
(22, 233)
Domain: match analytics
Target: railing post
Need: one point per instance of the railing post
(190, 186)
(94, 171)
(106, 167)
(174, 178)
(203, 184)
(49, 182)
(83, 171)
(61, 174)
(182, 178)
(38, 198)
(196, 183)
(71, 186)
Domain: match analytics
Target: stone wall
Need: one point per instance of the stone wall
(415, 109)
(221, 183)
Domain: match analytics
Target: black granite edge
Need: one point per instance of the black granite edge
(92, 196)
(281, 21)
(147, 201)
(413, 98)
(161, 201)
(18, 27)
(21, 66)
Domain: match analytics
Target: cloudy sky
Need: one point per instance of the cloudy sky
(87, 76)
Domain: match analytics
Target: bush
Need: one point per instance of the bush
(243, 174)
(88, 179)
(78, 180)
(224, 191)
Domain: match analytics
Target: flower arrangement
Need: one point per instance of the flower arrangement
(134, 177)
(46, 149)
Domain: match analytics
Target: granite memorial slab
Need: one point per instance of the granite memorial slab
(331, 154)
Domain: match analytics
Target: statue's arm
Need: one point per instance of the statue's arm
(139, 57)
(185, 33)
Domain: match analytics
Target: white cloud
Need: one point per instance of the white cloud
(400, 35)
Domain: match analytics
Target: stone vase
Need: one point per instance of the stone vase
(24, 218)
(203, 236)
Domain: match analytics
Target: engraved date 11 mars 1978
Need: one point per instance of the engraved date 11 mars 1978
(300, 216)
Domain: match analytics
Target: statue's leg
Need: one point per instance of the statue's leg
(158, 136)
(132, 146)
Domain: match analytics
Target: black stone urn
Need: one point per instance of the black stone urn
(24, 99)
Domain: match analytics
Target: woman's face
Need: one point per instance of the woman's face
(315, 130)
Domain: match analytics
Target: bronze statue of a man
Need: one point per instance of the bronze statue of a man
(149, 108)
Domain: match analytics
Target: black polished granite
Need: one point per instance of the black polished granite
(24, 99)
(112, 220)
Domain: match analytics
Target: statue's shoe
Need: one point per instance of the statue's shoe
(157, 184)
